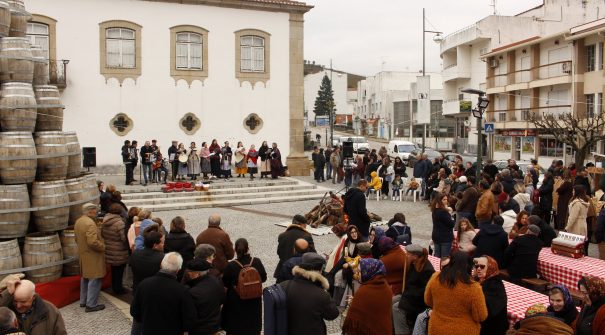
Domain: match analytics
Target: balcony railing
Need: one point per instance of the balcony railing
(58, 72)
(545, 71)
(524, 114)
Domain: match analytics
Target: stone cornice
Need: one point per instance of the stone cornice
(263, 5)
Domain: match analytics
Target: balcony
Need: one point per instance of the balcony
(552, 74)
(454, 72)
(543, 75)
(58, 73)
(519, 117)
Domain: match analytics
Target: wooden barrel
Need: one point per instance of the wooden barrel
(19, 18)
(70, 249)
(17, 63)
(50, 194)
(50, 110)
(15, 199)
(74, 160)
(17, 158)
(17, 106)
(5, 19)
(40, 249)
(81, 190)
(53, 144)
(41, 74)
(10, 256)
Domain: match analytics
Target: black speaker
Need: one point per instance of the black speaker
(347, 149)
(89, 157)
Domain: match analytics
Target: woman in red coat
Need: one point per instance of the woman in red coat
(370, 310)
(394, 259)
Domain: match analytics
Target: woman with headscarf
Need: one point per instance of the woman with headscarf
(264, 152)
(226, 157)
(344, 251)
(394, 260)
(205, 160)
(241, 166)
(591, 320)
(276, 165)
(375, 234)
(487, 273)
(215, 159)
(561, 304)
(369, 311)
(539, 322)
(252, 158)
(454, 295)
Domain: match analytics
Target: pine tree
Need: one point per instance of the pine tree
(324, 102)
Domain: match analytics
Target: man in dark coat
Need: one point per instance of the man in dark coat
(307, 299)
(547, 233)
(407, 306)
(301, 246)
(286, 240)
(508, 184)
(146, 151)
(161, 304)
(219, 239)
(173, 159)
(355, 208)
(490, 169)
(146, 262)
(127, 160)
(582, 179)
(466, 206)
(319, 161)
(521, 256)
(208, 295)
(327, 155)
(492, 240)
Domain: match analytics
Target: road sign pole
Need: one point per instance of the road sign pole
(479, 150)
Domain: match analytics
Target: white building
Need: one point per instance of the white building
(161, 69)
(521, 62)
(387, 106)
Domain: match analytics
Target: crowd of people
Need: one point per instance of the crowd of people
(208, 162)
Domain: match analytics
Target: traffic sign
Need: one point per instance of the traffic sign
(488, 128)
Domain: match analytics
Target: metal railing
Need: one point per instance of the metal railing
(58, 72)
(546, 71)
(524, 114)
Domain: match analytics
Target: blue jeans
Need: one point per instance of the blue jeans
(89, 291)
(328, 170)
(442, 249)
(147, 172)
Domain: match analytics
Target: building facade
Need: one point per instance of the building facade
(526, 64)
(208, 69)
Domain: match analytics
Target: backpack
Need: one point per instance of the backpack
(249, 284)
(403, 237)
(275, 310)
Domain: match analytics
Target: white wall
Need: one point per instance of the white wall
(339, 86)
(154, 102)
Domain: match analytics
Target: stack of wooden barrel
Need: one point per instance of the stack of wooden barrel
(42, 186)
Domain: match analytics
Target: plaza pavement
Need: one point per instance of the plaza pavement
(257, 224)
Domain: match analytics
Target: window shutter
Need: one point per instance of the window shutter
(181, 55)
(128, 53)
(246, 61)
(196, 56)
(113, 53)
(259, 59)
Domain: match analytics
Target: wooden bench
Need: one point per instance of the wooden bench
(537, 284)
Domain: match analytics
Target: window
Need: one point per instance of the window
(502, 117)
(188, 53)
(38, 34)
(252, 56)
(590, 105)
(600, 57)
(599, 109)
(551, 147)
(590, 57)
(120, 50)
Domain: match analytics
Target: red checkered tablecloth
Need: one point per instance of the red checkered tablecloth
(566, 270)
(519, 298)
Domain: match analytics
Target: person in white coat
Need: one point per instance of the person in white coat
(578, 211)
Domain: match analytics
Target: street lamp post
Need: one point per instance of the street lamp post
(478, 111)
(437, 39)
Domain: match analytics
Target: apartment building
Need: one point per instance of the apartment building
(533, 62)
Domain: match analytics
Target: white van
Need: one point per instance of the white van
(401, 149)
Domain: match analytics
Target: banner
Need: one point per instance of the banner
(423, 90)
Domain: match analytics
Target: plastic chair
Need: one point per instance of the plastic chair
(376, 191)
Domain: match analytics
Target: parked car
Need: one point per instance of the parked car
(401, 149)
(414, 155)
(451, 157)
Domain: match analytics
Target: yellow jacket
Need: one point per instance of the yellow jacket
(376, 182)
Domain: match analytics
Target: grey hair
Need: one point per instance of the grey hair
(505, 172)
(7, 319)
(172, 262)
(204, 251)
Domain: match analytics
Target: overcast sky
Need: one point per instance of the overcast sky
(365, 36)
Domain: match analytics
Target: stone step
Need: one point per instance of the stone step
(232, 202)
(216, 184)
(220, 191)
(189, 197)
